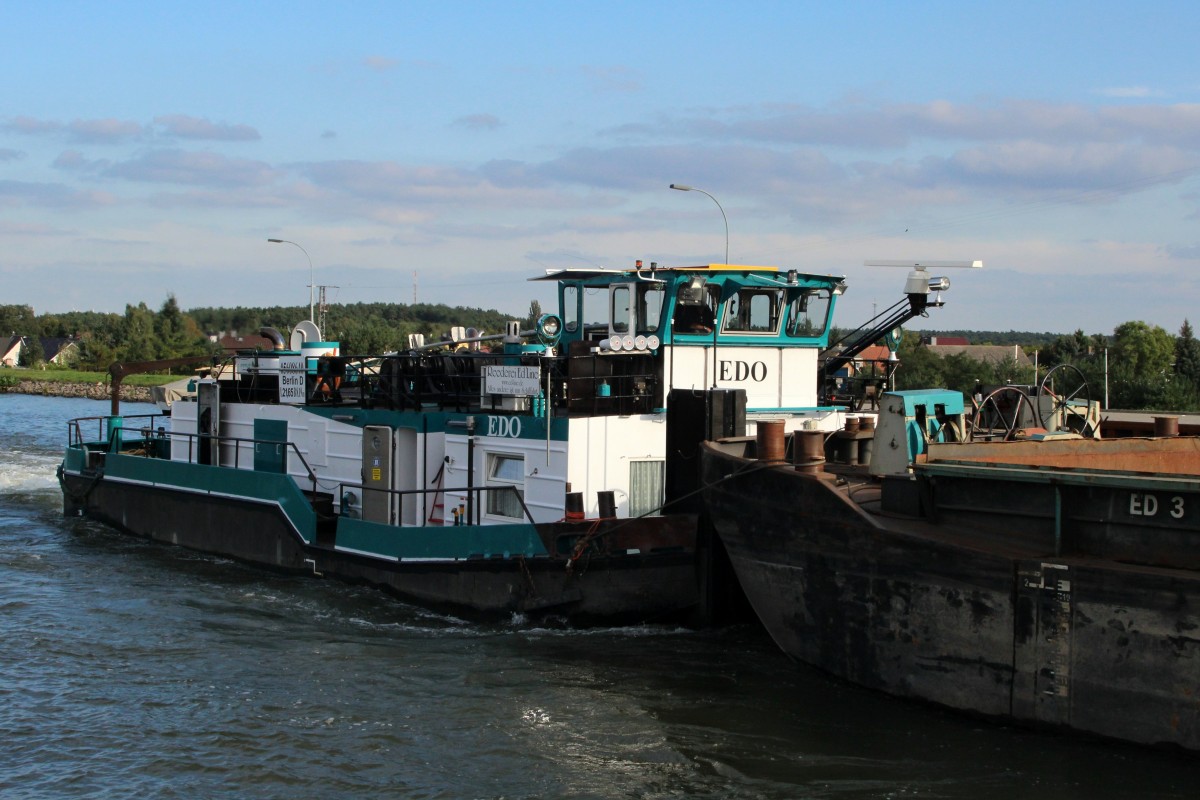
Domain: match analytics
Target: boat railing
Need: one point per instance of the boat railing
(106, 428)
(154, 441)
(603, 383)
(197, 441)
(470, 515)
(416, 380)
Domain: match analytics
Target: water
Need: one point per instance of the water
(131, 669)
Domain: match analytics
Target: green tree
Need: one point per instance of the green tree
(177, 333)
(1140, 365)
(138, 337)
(363, 336)
(19, 320)
(96, 351)
(32, 353)
(1187, 356)
(535, 313)
(170, 330)
(919, 368)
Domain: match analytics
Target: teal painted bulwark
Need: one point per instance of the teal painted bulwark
(270, 445)
(441, 543)
(526, 427)
(75, 459)
(259, 487)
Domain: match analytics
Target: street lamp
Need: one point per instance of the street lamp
(685, 188)
(311, 304)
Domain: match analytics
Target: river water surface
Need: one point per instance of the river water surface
(133, 669)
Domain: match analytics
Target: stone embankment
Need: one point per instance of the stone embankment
(92, 391)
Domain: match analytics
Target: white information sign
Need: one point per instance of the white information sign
(514, 381)
(292, 373)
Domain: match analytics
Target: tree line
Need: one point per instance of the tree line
(1139, 366)
(143, 334)
(1145, 366)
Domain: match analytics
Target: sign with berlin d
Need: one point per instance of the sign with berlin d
(292, 374)
(515, 381)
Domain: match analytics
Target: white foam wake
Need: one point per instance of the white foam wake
(23, 471)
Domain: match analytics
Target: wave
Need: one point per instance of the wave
(29, 471)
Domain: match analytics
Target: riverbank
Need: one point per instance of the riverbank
(91, 391)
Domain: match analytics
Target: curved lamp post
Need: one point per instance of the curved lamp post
(685, 188)
(310, 272)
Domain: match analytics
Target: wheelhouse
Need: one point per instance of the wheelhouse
(713, 326)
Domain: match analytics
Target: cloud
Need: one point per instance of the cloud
(115, 131)
(73, 160)
(1130, 91)
(1033, 166)
(188, 127)
(94, 131)
(31, 126)
(380, 63)
(629, 168)
(478, 122)
(1183, 252)
(892, 126)
(29, 229)
(7, 154)
(104, 131)
(193, 168)
(222, 198)
(327, 134)
(618, 79)
(389, 181)
(50, 195)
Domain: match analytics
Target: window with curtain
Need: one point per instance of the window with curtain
(647, 480)
(505, 469)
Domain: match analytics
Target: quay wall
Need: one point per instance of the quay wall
(92, 391)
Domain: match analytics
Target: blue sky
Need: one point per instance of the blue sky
(149, 149)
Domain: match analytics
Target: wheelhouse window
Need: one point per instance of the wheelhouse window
(505, 470)
(808, 313)
(636, 307)
(695, 308)
(754, 311)
(622, 309)
(596, 314)
(649, 306)
(570, 308)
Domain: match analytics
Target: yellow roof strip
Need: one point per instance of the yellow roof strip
(716, 267)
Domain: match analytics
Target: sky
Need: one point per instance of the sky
(450, 151)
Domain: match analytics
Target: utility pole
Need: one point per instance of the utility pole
(321, 308)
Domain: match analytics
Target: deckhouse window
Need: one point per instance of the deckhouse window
(754, 311)
(647, 493)
(808, 313)
(505, 470)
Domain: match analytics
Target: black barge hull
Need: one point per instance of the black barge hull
(954, 615)
(600, 583)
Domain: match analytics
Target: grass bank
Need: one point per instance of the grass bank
(11, 376)
(77, 383)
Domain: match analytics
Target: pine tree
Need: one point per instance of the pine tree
(535, 313)
(1187, 356)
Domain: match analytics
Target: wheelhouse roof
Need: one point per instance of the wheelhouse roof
(646, 273)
